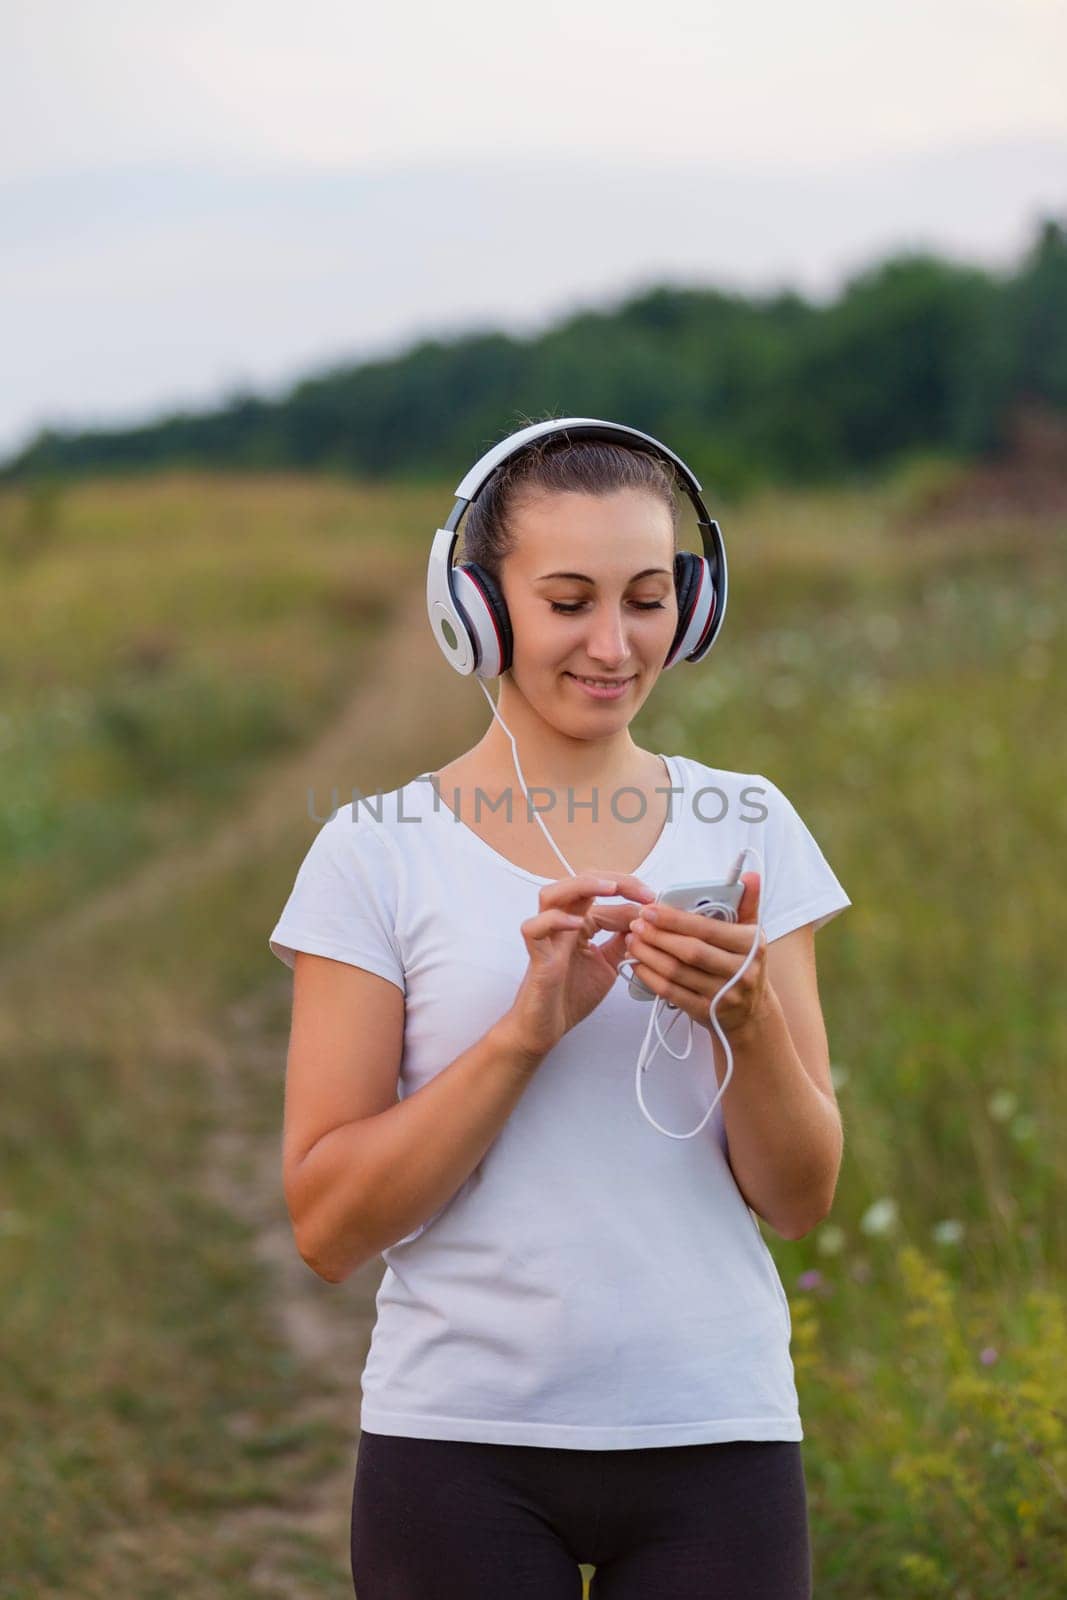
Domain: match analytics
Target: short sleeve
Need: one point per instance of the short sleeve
(799, 885)
(343, 903)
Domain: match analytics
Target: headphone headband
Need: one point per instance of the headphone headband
(466, 610)
(472, 484)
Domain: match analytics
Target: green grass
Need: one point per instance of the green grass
(171, 649)
(164, 641)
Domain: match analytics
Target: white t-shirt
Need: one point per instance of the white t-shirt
(593, 1283)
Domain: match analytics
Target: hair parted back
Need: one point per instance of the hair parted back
(557, 466)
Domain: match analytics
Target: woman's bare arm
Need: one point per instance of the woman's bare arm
(362, 1169)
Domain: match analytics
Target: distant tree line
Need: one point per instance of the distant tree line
(916, 355)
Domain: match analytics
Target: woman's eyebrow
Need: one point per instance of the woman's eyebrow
(581, 577)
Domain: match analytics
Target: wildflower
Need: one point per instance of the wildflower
(1002, 1105)
(830, 1239)
(988, 1356)
(838, 1075)
(924, 1573)
(950, 1231)
(810, 1280)
(881, 1217)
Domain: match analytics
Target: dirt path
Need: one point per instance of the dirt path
(326, 1327)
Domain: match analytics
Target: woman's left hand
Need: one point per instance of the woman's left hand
(687, 959)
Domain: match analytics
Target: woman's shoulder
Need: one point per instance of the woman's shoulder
(702, 772)
(385, 822)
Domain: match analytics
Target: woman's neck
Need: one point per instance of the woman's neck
(554, 760)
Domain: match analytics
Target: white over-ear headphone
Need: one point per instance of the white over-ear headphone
(467, 610)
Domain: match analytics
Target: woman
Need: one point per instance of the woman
(581, 1352)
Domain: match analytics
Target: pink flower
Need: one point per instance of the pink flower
(988, 1356)
(810, 1280)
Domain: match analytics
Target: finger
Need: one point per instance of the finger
(711, 930)
(689, 970)
(684, 949)
(613, 950)
(615, 916)
(635, 887)
(554, 920)
(570, 892)
(688, 1000)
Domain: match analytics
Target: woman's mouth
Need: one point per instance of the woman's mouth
(602, 688)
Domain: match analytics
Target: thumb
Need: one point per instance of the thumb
(614, 949)
(749, 905)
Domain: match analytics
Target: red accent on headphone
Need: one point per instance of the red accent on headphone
(492, 618)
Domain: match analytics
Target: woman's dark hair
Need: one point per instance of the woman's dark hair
(556, 466)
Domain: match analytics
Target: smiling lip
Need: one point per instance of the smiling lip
(603, 689)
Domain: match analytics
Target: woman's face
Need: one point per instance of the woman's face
(608, 560)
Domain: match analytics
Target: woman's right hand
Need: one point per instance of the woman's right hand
(567, 976)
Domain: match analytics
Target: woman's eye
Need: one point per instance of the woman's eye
(569, 610)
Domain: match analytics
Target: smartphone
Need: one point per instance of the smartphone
(718, 900)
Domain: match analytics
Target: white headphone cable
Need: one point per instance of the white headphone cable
(661, 1004)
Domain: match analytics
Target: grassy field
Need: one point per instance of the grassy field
(181, 660)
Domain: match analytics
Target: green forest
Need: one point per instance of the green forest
(917, 355)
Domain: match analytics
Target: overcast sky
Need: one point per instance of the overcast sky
(201, 195)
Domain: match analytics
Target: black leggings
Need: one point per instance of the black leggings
(448, 1519)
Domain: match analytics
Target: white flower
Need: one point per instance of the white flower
(838, 1075)
(948, 1232)
(830, 1239)
(881, 1217)
(1002, 1105)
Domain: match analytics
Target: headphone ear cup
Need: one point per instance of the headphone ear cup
(685, 581)
(486, 608)
(696, 607)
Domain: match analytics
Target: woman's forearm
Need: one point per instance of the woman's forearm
(785, 1136)
(368, 1183)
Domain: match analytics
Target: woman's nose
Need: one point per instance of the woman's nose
(607, 639)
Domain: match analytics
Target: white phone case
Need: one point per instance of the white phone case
(718, 900)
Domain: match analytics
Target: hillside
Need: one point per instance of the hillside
(917, 356)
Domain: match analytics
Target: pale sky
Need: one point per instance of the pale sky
(200, 194)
